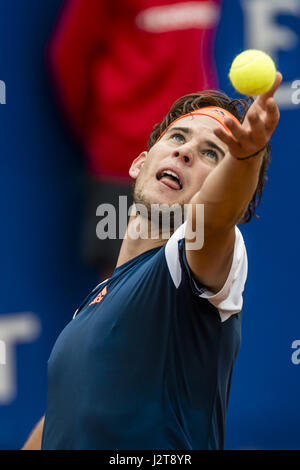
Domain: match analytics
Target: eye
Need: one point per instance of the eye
(211, 154)
(178, 138)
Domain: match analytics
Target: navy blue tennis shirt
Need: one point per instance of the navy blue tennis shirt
(147, 361)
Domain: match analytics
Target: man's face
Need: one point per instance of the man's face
(175, 168)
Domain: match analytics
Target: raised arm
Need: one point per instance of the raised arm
(229, 188)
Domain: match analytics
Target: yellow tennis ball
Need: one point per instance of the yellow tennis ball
(252, 72)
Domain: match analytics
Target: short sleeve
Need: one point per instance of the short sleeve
(229, 300)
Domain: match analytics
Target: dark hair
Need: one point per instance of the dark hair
(239, 108)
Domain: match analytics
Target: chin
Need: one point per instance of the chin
(153, 197)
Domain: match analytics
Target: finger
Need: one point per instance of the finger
(273, 115)
(263, 98)
(255, 134)
(226, 137)
(258, 128)
(236, 129)
(233, 145)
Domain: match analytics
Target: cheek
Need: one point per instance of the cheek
(144, 174)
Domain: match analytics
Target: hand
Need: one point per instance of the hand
(259, 124)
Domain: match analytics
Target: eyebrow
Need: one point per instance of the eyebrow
(188, 131)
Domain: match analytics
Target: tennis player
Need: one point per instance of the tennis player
(146, 363)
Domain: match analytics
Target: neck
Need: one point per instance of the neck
(139, 238)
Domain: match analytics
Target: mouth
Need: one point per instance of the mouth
(170, 178)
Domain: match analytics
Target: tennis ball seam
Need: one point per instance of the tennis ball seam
(237, 67)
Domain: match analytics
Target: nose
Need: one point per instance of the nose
(185, 155)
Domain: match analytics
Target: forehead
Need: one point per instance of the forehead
(198, 123)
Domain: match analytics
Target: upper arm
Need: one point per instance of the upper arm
(229, 298)
(211, 264)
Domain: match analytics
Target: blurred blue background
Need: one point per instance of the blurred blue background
(42, 276)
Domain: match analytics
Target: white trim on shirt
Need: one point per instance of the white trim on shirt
(229, 300)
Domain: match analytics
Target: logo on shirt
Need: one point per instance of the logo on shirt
(99, 296)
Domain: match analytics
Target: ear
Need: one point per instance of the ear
(137, 164)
